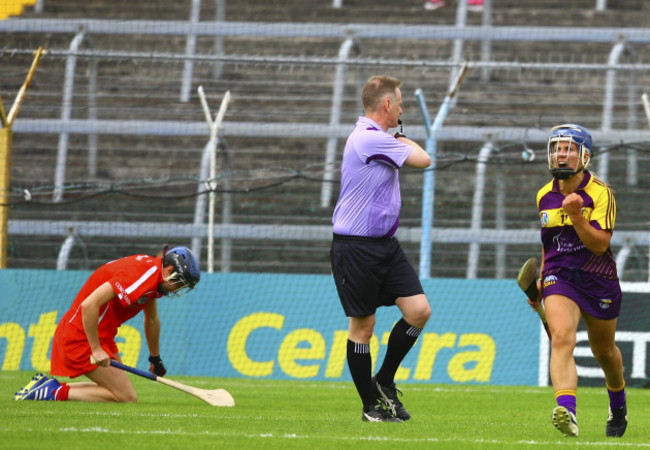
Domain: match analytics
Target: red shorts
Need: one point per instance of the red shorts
(71, 351)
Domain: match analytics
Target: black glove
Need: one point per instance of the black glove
(157, 367)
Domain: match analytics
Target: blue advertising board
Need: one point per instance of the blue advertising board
(288, 327)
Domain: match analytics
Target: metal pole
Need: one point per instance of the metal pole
(428, 185)
(646, 106)
(486, 44)
(335, 119)
(457, 53)
(428, 191)
(226, 212)
(190, 51)
(66, 111)
(477, 209)
(92, 115)
(64, 252)
(500, 214)
(214, 131)
(608, 104)
(201, 200)
(632, 178)
(220, 16)
(6, 138)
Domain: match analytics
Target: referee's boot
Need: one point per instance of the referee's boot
(378, 413)
(388, 395)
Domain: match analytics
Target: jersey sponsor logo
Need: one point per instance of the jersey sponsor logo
(566, 244)
(544, 218)
(557, 217)
(549, 281)
(605, 303)
(122, 292)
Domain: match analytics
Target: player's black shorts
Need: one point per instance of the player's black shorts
(371, 272)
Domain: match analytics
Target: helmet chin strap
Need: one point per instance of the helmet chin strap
(161, 287)
(171, 276)
(564, 173)
(178, 291)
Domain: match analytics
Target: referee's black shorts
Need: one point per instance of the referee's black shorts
(371, 272)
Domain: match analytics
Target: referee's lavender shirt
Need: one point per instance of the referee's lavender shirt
(369, 203)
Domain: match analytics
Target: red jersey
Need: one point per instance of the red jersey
(135, 281)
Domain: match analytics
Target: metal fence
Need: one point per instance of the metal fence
(125, 88)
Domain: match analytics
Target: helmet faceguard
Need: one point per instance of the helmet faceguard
(186, 271)
(572, 134)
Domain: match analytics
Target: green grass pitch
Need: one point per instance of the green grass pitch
(273, 414)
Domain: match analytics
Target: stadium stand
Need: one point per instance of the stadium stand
(268, 90)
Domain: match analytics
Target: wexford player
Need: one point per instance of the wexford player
(578, 275)
(113, 294)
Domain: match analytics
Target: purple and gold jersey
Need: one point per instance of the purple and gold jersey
(369, 203)
(563, 249)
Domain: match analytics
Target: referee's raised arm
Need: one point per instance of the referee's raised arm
(419, 158)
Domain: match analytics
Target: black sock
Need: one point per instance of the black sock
(401, 340)
(360, 364)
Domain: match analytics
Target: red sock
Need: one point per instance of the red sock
(61, 394)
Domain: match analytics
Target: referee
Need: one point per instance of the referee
(369, 267)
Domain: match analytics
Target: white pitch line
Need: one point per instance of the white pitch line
(566, 442)
(411, 387)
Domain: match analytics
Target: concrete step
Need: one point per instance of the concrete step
(579, 13)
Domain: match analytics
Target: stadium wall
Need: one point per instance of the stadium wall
(292, 327)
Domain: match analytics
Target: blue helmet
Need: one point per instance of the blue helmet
(186, 269)
(573, 134)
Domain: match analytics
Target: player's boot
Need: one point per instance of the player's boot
(44, 391)
(378, 413)
(388, 395)
(565, 421)
(36, 381)
(617, 422)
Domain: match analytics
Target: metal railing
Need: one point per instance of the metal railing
(349, 35)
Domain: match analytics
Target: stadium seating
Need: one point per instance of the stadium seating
(293, 93)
